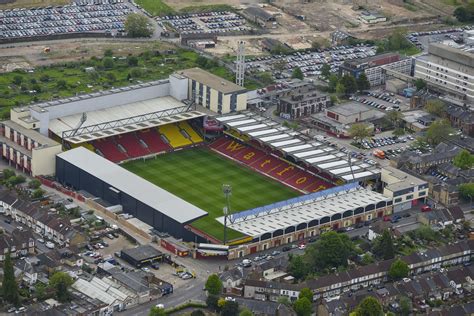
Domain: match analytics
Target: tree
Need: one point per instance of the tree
(464, 160)
(212, 301)
(37, 194)
(108, 62)
(9, 285)
(156, 311)
(60, 282)
(137, 25)
(61, 84)
(340, 89)
(44, 78)
(297, 74)
(369, 306)
(108, 52)
(359, 131)
(398, 270)
(17, 79)
(405, 306)
(213, 285)
(136, 73)
(362, 82)
(333, 80)
(306, 292)
(367, 259)
(298, 267)
(326, 70)
(420, 84)
(230, 308)
(464, 14)
(349, 83)
(132, 61)
(435, 107)
(437, 131)
(466, 191)
(302, 307)
(383, 246)
(8, 173)
(315, 45)
(246, 312)
(15, 180)
(395, 117)
(330, 251)
(201, 61)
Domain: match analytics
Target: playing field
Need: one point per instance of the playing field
(197, 175)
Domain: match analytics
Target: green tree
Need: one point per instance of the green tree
(108, 52)
(297, 74)
(464, 160)
(466, 191)
(37, 194)
(15, 180)
(435, 107)
(398, 270)
(369, 306)
(230, 308)
(464, 14)
(17, 79)
(330, 251)
(383, 246)
(108, 62)
(349, 83)
(362, 82)
(394, 117)
(9, 285)
(132, 61)
(266, 78)
(214, 285)
(306, 292)
(212, 301)
(359, 131)
(437, 131)
(420, 84)
(60, 282)
(156, 311)
(137, 25)
(405, 306)
(340, 89)
(333, 80)
(246, 312)
(201, 61)
(8, 173)
(325, 70)
(61, 84)
(367, 259)
(44, 78)
(298, 267)
(302, 307)
(136, 73)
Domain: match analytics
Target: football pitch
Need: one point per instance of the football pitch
(197, 175)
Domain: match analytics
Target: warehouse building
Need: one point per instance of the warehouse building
(82, 169)
(141, 256)
(214, 93)
(448, 69)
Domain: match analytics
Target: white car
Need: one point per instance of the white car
(40, 240)
(160, 306)
(49, 245)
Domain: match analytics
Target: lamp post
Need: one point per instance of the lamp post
(227, 190)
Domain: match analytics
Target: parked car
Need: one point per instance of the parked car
(40, 240)
(8, 221)
(426, 208)
(49, 245)
(286, 248)
(246, 263)
(302, 246)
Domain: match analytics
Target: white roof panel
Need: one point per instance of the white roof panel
(309, 153)
(286, 142)
(296, 148)
(133, 185)
(274, 137)
(264, 132)
(344, 170)
(319, 159)
(251, 127)
(358, 175)
(333, 164)
(230, 117)
(242, 122)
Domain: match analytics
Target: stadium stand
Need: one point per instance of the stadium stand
(153, 140)
(108, 149)
(195, 137)
(132, 145)
(267, 164)
(174, 135)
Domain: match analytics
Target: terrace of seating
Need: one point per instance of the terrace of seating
(132, 145)
(109, 149)
(174, 135)
(153, 140)
(195, 137)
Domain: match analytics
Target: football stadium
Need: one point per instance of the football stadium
(162, 151)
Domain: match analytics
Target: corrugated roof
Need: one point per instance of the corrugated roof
(133, 185)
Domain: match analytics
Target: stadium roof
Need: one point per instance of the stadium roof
(305, 209)
(34, 135)
(133, 185)
(122, 119)
(211, 80)
(300, 147)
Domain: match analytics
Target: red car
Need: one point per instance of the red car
(425, 208)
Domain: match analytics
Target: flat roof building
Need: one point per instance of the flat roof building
(142, 255)
(212, 92)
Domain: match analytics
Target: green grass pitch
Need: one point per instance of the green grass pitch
(196, 175)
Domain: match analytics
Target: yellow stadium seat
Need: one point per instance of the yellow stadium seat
(173, 134)
(191, 132)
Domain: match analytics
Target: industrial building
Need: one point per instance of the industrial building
(140, 256)
(81, 169)
(375, 67)
(260, 16)
(306, 216)
(212, 92)
(449, 70)
(405, 189)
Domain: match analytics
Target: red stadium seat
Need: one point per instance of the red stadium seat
(132, 145)
(109, 149)
(153, 140)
